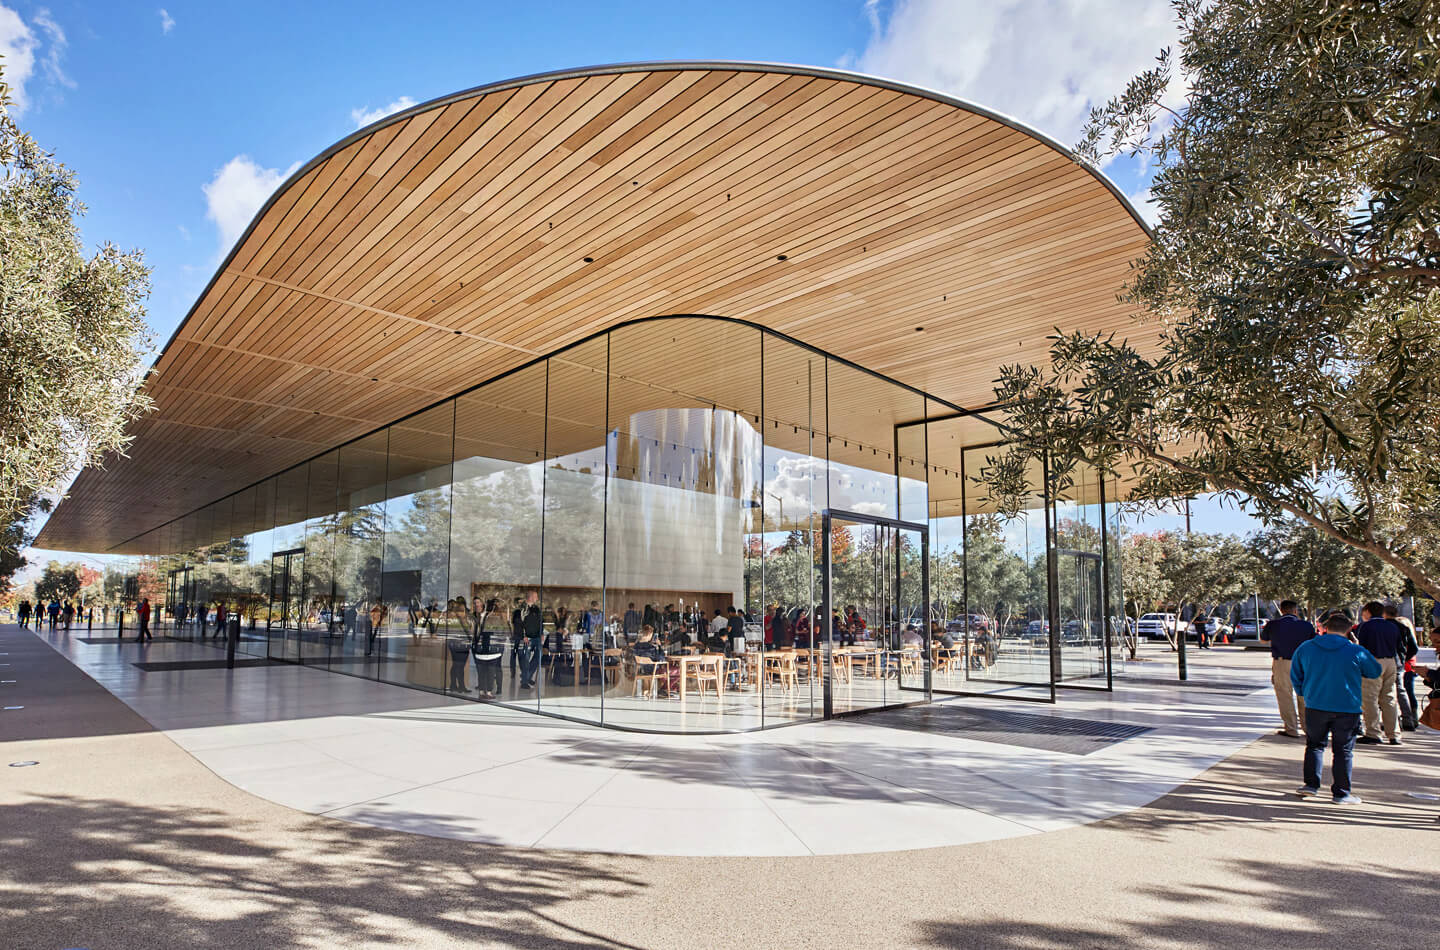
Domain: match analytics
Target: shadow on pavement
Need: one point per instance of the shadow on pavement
(103, 872)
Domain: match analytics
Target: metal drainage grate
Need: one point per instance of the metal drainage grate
(197, 665)
(1006, 727)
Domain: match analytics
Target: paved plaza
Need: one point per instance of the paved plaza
(275, 806)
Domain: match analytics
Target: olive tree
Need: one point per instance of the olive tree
(72, 334)
(1294, 276)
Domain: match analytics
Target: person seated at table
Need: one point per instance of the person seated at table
(646, 647)
(940, 635)
(855, 622)
(719, 641)
(911, 637)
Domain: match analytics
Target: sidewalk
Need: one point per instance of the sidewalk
(124, 840)
(395, 758)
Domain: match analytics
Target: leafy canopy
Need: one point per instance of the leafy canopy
(1294, 272)
(72, 335)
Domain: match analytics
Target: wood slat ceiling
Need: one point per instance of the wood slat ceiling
(449, 243)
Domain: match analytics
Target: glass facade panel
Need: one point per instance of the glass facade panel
(287, 563)
(359, 529)
(793, 633)
(496, 522)
(318, 619)
(414, 581)
(573, 553)
(684, 461)
(1080, 589)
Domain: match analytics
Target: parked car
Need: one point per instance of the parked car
(1248, 628)
(1217, 627)
(1037, 630)
(1158, 626)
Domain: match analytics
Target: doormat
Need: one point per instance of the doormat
(1006, 727)
(197, 665)
(1190, 684)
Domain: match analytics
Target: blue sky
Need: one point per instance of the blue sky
(181, 117)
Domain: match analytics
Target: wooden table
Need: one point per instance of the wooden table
(685, 660)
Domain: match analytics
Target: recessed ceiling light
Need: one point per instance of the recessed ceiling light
(589, 260)
(780, 257)
(457, 332)
(919, 329)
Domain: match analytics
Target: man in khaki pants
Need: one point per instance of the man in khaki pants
(1285, 633)
(1380, 706)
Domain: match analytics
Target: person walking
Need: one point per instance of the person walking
(1328, 673)
(67, 615)
(1285, 633)
(1381, 709)
(142, 613)
(532, 626)
(24, 614)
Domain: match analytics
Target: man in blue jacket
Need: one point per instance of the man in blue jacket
(1328, 672)
(1285, 634)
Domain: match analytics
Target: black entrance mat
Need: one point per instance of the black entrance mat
(1007, 727)
(1189, 684)
(198, 665)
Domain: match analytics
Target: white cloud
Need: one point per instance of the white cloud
(17, 46)
(237, 192)
(1045, 62)
(23, 48)
(167, 22)
(364, 117)
(1144, 203)
(55, 49)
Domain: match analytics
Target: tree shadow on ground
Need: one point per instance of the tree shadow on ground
(104, 872)
(1274, 905)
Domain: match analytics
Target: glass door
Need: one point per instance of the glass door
(1082, 615)
(876, 585)
(287, 607)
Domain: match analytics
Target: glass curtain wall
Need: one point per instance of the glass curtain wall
(657, 477)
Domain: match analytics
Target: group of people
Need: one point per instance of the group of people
(62, 614)
(1344, 684)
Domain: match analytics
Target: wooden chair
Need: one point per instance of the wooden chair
(946, 660)
(651, 674)
(707, 671)
(780, 668)
(612, 669)
(840, 666)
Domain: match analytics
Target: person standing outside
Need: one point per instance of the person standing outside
(517, 633)
(532, 626)
(1408, 649)
(1328, 672)
(142, 613)
(1285, 633)
(24, 614)
(1382, 638)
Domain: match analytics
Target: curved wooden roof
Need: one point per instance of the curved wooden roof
(468, 235)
